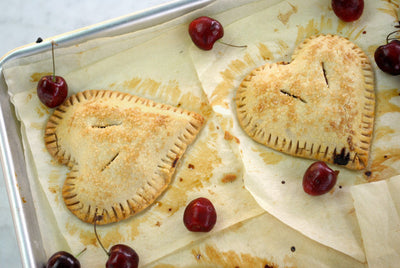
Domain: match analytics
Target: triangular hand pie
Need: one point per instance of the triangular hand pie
(122, 151)
(319, 106)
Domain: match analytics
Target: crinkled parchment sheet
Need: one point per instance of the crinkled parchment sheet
(274, 178)
(223, 164)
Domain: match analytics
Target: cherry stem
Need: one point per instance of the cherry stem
(222, 42)
(387, 37)
(54, 65)
(80, 253)
(98, 218)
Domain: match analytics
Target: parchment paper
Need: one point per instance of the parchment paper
(377, 207)
(162, 64)
(274, 178)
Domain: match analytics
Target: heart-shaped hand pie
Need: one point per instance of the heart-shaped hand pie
(122, 151)
(319, 106)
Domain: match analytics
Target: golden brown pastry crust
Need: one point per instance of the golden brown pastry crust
(320, 106)
(121, 149)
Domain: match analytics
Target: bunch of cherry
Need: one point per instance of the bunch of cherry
(199, 216)
(119, 256)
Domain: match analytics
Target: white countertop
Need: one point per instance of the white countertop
(21, 23)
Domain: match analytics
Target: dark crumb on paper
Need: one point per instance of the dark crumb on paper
(385, 156)
(170, 209)
(364, 32)
(368, 173)
(283, 182)
(293, 249)
(340, 186)
(190, 166)
(180, 179)
(39, 40)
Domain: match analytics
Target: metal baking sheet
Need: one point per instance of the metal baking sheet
(12, 153)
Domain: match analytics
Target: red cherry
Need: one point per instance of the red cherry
(63, 259)
(205, 31)
(348, 10)
(119, 255)
(319, 179)
(200, 215)
(122, 256)
(52, 91)
(387, 57)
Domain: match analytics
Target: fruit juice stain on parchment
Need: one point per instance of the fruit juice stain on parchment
(383, 162)
(29, 96)
(141, 86)
(42, 110)
(383, 159)
(235, 69)
(391, 7)
(55, 180)
(285, 17)
(268, 156)
(383, 133)
(35, 77)
(210, 254)
(325, 25)
(39, 111)
(196, 172)
(164, 266)
(169, 92)
(265, 53)
(370, 51)
(229, 137)
(283, 48)
(229, 178)
(349, 30)
(312, 28)
(109, 234)
(383, 101)
(196, 104)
